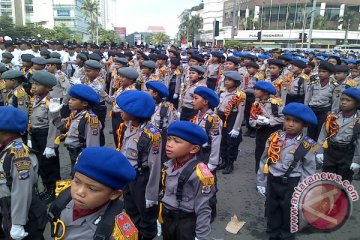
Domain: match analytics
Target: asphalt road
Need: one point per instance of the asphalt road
(237, 195)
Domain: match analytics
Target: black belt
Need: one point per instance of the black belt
(341, 147)
(283, 179)
(178, 214)
(320, 109)
(77, 149)
(39, 130)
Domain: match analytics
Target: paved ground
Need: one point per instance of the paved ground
(237, 195)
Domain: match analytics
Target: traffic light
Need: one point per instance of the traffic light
(259, 36)
(305, 37)
(300, 36)
(216, 28)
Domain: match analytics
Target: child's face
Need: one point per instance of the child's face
(347, 103)
(38, 67)
(27, 65)
(259, 93)
(39, 89)
(92, 73)
(177, 148)
(125, 82)
(125, 116)
(152, 93)
(51, 68)
(230, 66)
(77, 104)
(355, 72)
(146, 71)
(228, 83)
(293, 126)
(6, 60)
(194, 76)
(332, 61)
(295, 69)
(274, 70)
(199, 102)
(340, 76)
(89, 194)
(323, 74)
(193, 62)
(251, 70)
(10, 84)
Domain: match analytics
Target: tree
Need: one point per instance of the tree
(90, 8)
(349, 19)
(160, 39)
(108, 36)
(195, 25)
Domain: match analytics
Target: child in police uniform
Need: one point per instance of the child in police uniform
(16, 95)
(140, 141)
(23, 214)
(265, 116)
(288, 159)
(186, 212)
(339, 137)
(82, 128)
(91, 203)
(165, 112)
(231, 112)
(43, 132)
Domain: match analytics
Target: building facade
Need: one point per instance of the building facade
(213, 10)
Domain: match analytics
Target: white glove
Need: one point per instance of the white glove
(211, 167)
(234, 133)
(196, 238)
(175, 96)
(158, 228)
(74, 81)
(29, 143)
(263, 120)
(49, 152)
(319, 158)
(17, 232)
(261, 190)
(354, 166)
(55, 105)
(150, 203)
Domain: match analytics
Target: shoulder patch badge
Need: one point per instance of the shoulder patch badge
(124, 228)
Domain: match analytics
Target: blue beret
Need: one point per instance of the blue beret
(298, 63)
(136, 103)
(233, 59)
(159, 87)
(13, 120)
(3, 68)
(105, 165)
(217, 54)
(320, 58)
(266, 87)
(39, 60)
(149, 64)
(208, 94)
(233, 75)
(55, 55)
(264, 56)
(198, 69)
(239, 54)
(53, 61)
(85, 93)
(92, 64)
(353, 92)
(128, 72)
(301, 111)
(188, 131)
(44, 78)
(250, 56)
(286, 57)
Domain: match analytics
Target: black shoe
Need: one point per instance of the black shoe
(229, 169)
(48, 196)
(252, 134)
(247, 133)
(221, 166)
(356, 177)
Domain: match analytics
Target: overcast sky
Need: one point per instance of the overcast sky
(137, 15)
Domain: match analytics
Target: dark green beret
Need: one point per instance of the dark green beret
(53, 61)
(45, 53)
(198, 69)
(121, 60)
(39, 60)
(13, 74)
(93, 64)
(82, 56)
(129, 73)
(44, 78)
(149, 64)
(3, 68)
(55, 55)
(7, 55)
(26, 57)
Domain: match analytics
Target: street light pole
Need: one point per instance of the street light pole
(311, 24)
(233, 21)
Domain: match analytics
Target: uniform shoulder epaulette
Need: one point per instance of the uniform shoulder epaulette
(351, 83)
(215, 126)
(2, 85)
(62, 77)
(240, 94)
(276, 101)
(154, 134)
(61, 185)
(305, 76)
(19, 92)
(310, 144)
(21, 160)
(124, 228)
(92, 119)
(47, 100)
(205, 176)
(168, 105)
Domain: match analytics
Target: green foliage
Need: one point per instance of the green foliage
(189, 25)
(90, 9)
(160, 38)
(108, 36)
(232, 44)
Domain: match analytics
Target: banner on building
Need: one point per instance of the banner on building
(121, 31)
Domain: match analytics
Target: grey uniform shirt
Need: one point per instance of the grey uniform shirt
(151, 159)
(266, 109)
(18, 98)
(62, 86)
(188, 94)
(212, 70)
(297, 87)
(337, 94)
(195, 198)
(214, 133)
(248, 84)
(344, 135)
(98, 84)
(225, 97)
(303, 169)
(22, 185)
(173, 77)
(79, 74)
(169, 117)
(319, 96)
(41, 118)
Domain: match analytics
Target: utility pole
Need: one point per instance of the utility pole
(213, 37)
(233, 20)
(311, 24)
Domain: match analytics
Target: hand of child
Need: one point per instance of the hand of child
(29, 143)
(263, 121)
(150, 203)
(49, 152)
(175, 96)
(354, 166)
(319, 158)
(261, 190)
(234, 133)
(17, 232)
(55, 105)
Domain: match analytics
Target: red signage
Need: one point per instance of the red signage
(121, 31)
(183, 41)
